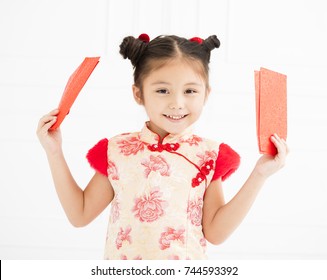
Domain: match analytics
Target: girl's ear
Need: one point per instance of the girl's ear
(137, 95)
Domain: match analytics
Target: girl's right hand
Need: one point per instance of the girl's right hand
(49, 139)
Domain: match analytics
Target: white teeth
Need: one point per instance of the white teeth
(175, 117)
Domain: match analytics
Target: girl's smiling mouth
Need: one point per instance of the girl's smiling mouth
(175, 117)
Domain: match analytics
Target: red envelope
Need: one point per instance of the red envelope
(271, 108)
(73, 87)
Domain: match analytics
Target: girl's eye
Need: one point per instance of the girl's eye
(190, 91)
(162, 91)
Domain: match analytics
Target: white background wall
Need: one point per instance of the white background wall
(42, 42)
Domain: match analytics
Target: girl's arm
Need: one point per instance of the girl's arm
(220, 219)
(81, 207)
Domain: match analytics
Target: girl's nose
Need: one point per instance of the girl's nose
(176, 102)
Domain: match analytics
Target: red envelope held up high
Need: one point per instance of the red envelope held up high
(271, 108)
(73, 87)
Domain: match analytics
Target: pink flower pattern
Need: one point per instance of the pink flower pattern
(194, 211)
(203, 243)
(112, 170)
(115, 210)
(124, 257)
(207, 156)
(156, 163)
(149, 208)
(193, 140)
(170, 235)
(131, 145)
(123, 235)
(173, 257)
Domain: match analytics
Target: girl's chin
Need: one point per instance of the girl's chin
(169, 126)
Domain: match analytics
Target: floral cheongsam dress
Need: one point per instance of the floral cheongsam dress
(159, 185)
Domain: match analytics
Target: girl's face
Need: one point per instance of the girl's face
(173, 97)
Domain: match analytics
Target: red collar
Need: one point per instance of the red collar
(148, 136)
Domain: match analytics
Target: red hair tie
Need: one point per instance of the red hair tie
(197, 40)
(144, 37)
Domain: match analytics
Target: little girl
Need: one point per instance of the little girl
(164, 183)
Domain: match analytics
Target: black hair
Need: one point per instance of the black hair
(144, 55)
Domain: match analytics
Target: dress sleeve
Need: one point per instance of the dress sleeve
(227, 162)
(98, 157)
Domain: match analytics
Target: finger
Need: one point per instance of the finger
(278, 139)
(51, 113)
(54, 112)
(46, 121)
(284, 144)
(49, 124)
(276, 136)
(275, 139)
(279, 144)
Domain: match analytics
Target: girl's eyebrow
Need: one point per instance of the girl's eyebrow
(160, 83)
(166, 83)
(193, 84)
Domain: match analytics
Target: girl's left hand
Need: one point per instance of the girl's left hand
(267, 164)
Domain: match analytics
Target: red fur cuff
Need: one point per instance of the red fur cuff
(98, 158)
(227, 162)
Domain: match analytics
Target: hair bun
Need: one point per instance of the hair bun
(212, 42)
(132, 48)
